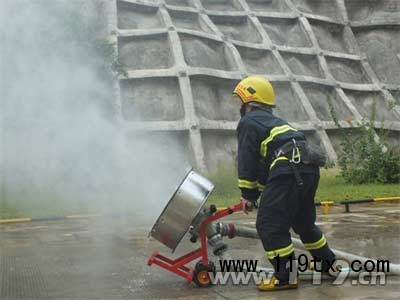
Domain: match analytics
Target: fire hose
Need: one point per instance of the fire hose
(232, 230)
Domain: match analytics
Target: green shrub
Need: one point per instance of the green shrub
(366, 155)
(366, 160)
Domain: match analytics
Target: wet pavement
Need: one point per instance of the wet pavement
(105, 258)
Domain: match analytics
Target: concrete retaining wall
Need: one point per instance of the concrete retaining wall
(183, 57)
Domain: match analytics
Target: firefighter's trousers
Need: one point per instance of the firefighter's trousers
(285, 204)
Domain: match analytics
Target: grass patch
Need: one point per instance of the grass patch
(332, 187)
(226, 191)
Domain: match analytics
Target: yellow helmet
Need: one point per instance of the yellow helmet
(255, 89)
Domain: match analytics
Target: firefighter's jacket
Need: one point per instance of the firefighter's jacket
(260, 134)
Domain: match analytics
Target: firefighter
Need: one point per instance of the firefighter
(271, 163)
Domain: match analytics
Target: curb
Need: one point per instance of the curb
(25, 220)
(347, 202)
(325, 204)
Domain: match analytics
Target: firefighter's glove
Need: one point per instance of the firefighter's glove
(248, 205)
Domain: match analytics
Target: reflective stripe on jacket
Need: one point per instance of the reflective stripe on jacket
(260, 134)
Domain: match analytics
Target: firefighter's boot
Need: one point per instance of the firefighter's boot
(274, 284)
(285, 276)
(324, 261)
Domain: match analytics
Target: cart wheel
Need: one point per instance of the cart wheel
(201, 276)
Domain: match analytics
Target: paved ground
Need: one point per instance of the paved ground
(106, 259)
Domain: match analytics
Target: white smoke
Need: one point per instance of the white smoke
(59, 143)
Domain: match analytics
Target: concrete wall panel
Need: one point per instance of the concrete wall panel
(220, 149)
(303, 64)
(136, 16)
(286, 32)
(212, 98)
(151, 99)
(324, 100)
(145, 52)
(206, 53)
